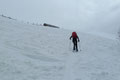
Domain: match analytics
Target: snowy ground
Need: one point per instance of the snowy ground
(37, 53)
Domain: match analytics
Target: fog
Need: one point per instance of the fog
(88, 15)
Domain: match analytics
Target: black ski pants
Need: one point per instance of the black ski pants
(75, 46)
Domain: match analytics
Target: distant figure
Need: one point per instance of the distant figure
(75, 39)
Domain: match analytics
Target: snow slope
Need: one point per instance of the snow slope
(37, 53)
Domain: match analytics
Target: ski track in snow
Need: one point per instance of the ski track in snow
(70, 66)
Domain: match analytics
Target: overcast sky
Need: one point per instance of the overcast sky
(72, 14)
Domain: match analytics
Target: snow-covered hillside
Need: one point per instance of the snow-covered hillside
(37, 53)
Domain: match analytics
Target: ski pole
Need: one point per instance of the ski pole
(80, 46)
(70, 45)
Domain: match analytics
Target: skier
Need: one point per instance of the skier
(75, 39)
